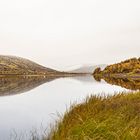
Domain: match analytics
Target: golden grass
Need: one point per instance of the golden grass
(129, 67)
(111, 118)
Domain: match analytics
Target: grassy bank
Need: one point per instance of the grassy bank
(111, 118)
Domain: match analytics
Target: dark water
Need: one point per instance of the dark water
(30, 104)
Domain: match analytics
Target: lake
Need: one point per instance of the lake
(31, 106)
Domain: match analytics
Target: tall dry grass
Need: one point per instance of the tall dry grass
(111, 118)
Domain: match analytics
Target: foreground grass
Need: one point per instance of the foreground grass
(111, 118)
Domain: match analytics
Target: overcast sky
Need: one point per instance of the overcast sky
(62, 33)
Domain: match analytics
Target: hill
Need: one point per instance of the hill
(20, 66)
(129, 67)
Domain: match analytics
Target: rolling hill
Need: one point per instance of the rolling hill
(20, 66)
(129, 67)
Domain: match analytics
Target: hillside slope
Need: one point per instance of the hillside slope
(17, 65)
(129, 67)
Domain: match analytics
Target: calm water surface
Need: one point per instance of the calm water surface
(37, 108)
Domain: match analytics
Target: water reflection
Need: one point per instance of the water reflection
(20, 84)
(128, 83)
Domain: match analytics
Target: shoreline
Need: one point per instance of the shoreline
(118, 75)
(111, 118)
(45, 75)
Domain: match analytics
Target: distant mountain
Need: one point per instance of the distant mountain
(18, 65)
(87, 68)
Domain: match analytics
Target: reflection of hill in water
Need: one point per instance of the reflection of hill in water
(133, 84)
(84, 79)
(21, 84)
(17, 85)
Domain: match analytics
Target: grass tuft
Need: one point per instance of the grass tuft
(112, 118)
